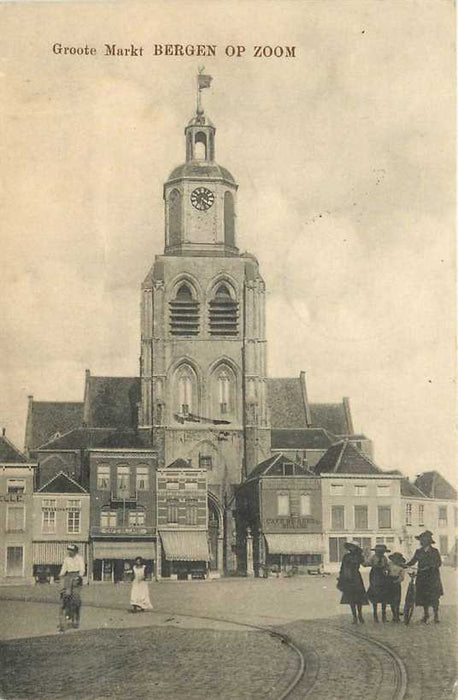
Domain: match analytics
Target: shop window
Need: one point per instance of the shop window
(137, 518)
(283, 504)
(184, 312)
(383, 490)
(142, 480)
(305, 504)
(360, 490)
(361, 518)
(108, 518)
(336, 548)
(337, 489)
(15, 561)
(363, 542)
(384, 517)
(48, 521)
(103, 477)
(442, 516)
(443, 545)
(408, 514)
(73, 517)
(15, 519)
(172, 511)
(338, 517)
(15, 486)
(421, 514)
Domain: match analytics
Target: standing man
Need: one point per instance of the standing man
(73, 563)
(71, 575)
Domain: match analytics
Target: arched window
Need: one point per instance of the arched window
(184, 312)
(200, 146)
(185, 391)
(223, 389)
(174, 218)
(223, 312)
(229, 223)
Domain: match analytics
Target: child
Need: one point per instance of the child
(378, 589)
(396, 567)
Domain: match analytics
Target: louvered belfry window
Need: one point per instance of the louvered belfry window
(223, 313)
(184, 313)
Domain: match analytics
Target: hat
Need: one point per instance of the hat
(380, 547)
(397, 557)
(427, 534)
(72, 548)
(352, 546)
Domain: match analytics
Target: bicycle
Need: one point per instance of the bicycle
(409, 603)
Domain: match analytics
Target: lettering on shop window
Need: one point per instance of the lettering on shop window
(291, 522)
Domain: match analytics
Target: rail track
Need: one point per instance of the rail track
(319, 662)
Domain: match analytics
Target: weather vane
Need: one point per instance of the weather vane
(203, 81)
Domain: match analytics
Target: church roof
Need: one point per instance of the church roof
(274, 466)
(112, 402)
(434, 485)
(286, 403)
(46, 418)
(9, 453)
(62, 483)
(194, 169)
(308, 439)
(331, 416)
(79, 438)
(346, 458)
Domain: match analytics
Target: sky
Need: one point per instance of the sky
(345, 159)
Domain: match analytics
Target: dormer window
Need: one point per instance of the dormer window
(223, 313)
(184, 313)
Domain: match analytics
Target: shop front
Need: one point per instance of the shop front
(48, 558)
(112, 562)
(185, 554)
(293, 553)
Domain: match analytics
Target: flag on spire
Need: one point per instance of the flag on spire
(203, 81)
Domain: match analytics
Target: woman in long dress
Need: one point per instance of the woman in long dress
(378, 591)
(351, 583)
(429, 586)
(139, 594)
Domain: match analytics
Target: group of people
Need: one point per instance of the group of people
(71, 576)
(385, 579)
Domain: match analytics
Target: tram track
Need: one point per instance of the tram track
(311, 678)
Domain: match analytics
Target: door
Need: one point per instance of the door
(213, 532)
(15, 561)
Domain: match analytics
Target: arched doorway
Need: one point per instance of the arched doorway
(213, 534)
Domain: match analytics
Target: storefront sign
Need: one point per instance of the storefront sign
(292, 523)
(12, 497)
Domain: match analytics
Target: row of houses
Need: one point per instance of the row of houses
(286, 515)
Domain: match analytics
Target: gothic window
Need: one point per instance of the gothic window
(184, 312)
(229, 228)
(186, 388)
(223, 312)
(174, 218)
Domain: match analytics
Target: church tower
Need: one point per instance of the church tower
(203, 344)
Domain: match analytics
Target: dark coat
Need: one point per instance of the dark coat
(350, 581)
(429, 584)
(378, 591)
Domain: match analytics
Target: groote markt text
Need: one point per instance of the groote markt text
(135, 51)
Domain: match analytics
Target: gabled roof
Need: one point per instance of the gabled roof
(77, 439)
(62, 483)
(410, 490)
(333, 417)
(346, 458)
(286, 403)
(9, 453)
(307, 439)
(112, 402)
(274, 466)
(125, 439)
(46, 418)
(178, 464)
(434, 485)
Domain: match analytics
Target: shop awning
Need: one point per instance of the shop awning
(124, 550)
(294, 544)
(55, 552)
(185, 545)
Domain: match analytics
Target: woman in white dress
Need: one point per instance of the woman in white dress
(139, 594)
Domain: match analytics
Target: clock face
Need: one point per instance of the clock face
(202, 198)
